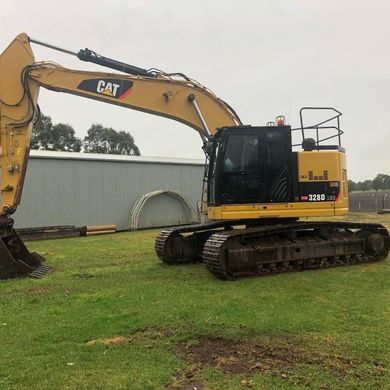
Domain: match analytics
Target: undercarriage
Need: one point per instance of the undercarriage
(234, 249)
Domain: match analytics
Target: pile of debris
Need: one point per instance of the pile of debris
(63, 231)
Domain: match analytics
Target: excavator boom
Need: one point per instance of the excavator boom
(21, 77)
(169, 95)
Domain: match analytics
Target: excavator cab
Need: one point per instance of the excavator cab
(251, 165)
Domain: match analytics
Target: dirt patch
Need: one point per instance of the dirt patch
(118, 340)
(145, 336)
(275, 357)
(39, 290)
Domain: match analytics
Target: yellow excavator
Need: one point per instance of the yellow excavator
(256, 184)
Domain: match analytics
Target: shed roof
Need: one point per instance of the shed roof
(47, 154)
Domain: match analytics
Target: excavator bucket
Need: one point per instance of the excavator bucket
(16, 260)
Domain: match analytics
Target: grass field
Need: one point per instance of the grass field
(112, 316)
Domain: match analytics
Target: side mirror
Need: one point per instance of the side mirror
(208, 148)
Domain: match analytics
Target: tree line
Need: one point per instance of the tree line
(99, 139)
(379, 183)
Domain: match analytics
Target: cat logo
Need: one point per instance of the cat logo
(107, 88)
(118, 89)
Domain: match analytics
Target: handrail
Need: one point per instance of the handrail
(320, 125)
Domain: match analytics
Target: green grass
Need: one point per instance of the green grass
(316, 329)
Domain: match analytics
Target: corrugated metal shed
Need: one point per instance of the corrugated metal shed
(91, 189)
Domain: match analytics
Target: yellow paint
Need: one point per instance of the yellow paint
(279, 210)
(316, 163)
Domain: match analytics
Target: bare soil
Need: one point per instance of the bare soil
(275, 357)
(117, 340)
(40, 290)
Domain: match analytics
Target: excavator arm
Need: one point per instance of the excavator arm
(173, 96)
(158, 93)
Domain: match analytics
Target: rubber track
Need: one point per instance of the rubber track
(212, 249)
(165, 235)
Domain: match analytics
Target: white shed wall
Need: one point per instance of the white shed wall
(85, 189)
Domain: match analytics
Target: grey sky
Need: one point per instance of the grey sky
(263, 57)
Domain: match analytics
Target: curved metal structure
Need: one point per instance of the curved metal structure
(140, 203)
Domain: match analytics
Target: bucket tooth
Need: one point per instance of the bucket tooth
(17, 261)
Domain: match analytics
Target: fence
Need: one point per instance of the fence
(370, 201)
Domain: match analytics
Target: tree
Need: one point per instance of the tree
(63, 138)
(125, 144)
(381, 182)
(97, 139)
(366, 185)
(106, 140)
(58, 137)
(352, 186)
(41, 133)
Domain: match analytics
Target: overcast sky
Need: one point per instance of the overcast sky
(264, 58)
